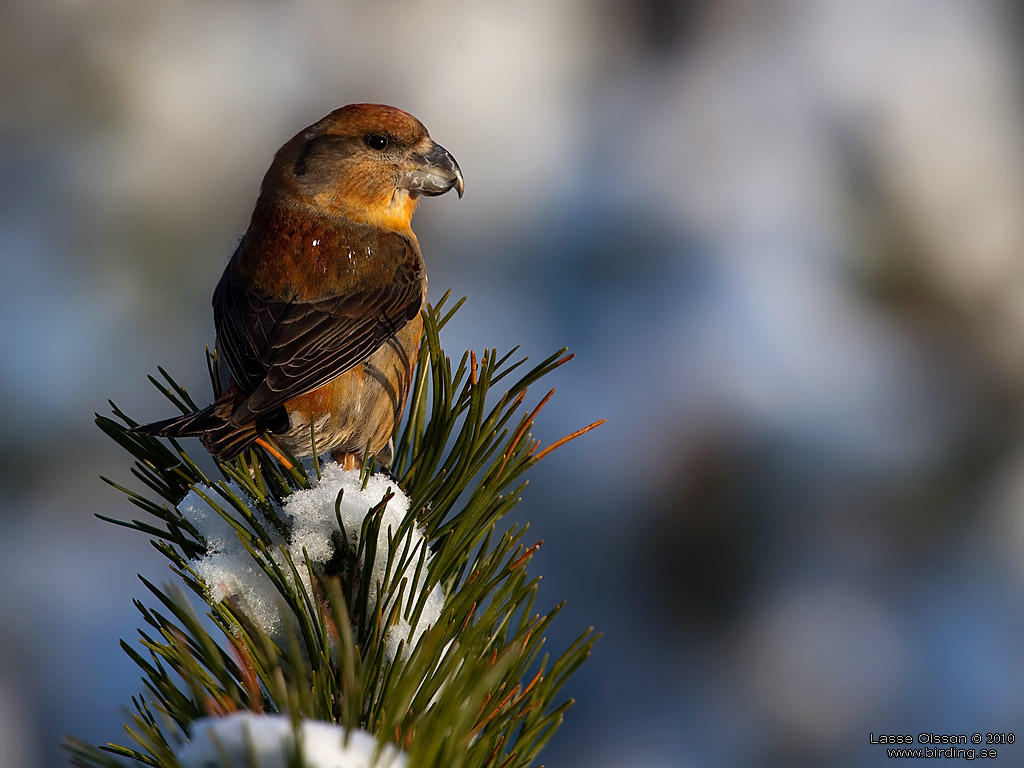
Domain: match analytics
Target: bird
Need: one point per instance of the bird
(317, 314)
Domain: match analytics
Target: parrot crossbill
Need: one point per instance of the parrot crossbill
(318, 311)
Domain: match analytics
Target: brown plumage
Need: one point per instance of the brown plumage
(317, 313)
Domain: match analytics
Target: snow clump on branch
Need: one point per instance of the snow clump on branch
(271, 741)
(229, 571)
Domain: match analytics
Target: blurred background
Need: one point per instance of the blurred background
(785, 240)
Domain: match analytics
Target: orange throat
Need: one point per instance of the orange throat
(393, 214)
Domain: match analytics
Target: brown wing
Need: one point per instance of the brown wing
(277, 350)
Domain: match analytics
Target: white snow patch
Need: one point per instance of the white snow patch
(229, 571)
(271, 740)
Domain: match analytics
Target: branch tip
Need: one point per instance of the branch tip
(568, 438)
(526, 555)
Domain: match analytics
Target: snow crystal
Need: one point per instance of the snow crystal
(230, 572)
(271, 740)
(216, 530)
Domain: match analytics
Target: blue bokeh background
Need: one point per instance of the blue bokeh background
(784, 239)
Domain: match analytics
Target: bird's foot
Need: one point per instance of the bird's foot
(348, 459)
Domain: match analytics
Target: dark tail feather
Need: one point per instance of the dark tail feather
(218, 435)
(189, 425)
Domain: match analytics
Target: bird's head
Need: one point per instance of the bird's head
(365, 162)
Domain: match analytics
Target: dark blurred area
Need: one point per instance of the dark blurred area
(784, 239)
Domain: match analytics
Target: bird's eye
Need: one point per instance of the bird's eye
(376, 141)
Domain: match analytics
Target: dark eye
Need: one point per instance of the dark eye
(376, 141)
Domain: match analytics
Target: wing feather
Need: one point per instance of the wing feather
(277, 350)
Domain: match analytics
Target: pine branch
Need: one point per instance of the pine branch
(472, 690)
